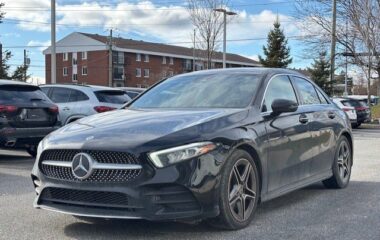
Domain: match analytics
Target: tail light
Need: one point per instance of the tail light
(101, 109)
(361, 108)
(54, 109)
(346, 109)
(8, 109)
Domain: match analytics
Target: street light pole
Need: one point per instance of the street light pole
(53, 47)
(225, 13)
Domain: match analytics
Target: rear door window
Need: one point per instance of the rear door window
(322, 97)
(77, 96)
(19, 94)
(307, 91)
(60, 95)
(115, 97)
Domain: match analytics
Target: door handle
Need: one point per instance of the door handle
(66, 109)
(331, 115)
(303, 119)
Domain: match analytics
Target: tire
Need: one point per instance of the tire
(235, 186)
(32, 150)
(342, 166)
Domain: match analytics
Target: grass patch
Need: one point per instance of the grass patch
(375, 110)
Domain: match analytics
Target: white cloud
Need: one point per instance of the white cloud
(168, 23)
(40, 44)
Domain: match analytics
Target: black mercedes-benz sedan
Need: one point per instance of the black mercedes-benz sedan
(208, 145)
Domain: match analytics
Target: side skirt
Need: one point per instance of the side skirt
(295, 186)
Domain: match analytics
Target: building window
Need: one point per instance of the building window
(164, 60)
(65, 56)
(118, 73)
(84, 70)
(171, 73)
(171, 61)
(75, 77)
(138, 72)
(65, 72)
(146, 58)
(84, 55)
(118, 57)
(138, 57)
(146, 73)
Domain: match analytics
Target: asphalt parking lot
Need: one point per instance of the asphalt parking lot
(311, 213)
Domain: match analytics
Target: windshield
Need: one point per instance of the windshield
(21, 94)
(115, 97)
(201, 91)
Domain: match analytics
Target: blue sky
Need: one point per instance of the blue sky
(166, 21)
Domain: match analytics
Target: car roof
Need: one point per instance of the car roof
(14, 82)
(79, 86)
(252, 70)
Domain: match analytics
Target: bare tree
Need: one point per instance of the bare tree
(358, 29)
(209, 25)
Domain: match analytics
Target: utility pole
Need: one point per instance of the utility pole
(333, 44)
(24, 65)
(53, 47)
(194, 51)
(225, 13)
(110, 70)
(346, 74)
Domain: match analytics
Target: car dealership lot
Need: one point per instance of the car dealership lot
(310, 213)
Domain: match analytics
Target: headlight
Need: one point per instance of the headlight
(174, 155)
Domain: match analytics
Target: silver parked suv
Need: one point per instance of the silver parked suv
(78, 101)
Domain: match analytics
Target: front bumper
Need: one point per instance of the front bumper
(186, 191)
(21, 137)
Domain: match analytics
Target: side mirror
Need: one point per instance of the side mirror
(283, 106)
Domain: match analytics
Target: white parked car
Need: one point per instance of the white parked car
(351, 112)
(78, 101)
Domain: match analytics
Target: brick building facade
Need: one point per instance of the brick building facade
(84, 58)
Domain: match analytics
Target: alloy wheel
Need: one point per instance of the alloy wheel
(344, 161)
(242, 190)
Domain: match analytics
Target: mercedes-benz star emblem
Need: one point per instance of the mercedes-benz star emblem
(81, 166)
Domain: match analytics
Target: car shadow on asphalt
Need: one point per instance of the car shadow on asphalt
(133, 229)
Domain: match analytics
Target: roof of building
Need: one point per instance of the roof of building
(160, 49)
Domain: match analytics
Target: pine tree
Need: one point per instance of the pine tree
(277, 52)
(4, 67)
(21, 73)
(320, 72)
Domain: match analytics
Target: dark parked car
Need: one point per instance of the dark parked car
(362, 110)
(26, 116)
(204, 145)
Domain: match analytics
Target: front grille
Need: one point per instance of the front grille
(85, 198)
(99, 156)
(99, 175)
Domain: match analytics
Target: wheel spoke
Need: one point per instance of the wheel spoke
(340, 161)
(234, 194)
(246, 173)
(249, 193)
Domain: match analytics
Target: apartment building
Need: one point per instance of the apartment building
(85, 58)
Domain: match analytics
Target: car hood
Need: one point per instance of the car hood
(138, 130)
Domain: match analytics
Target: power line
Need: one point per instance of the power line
(159, 8)
(299, 37)
(17, 21)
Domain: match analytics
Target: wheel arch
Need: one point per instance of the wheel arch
(350, 141)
